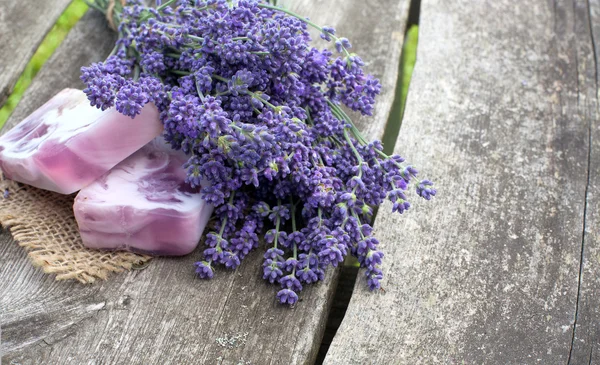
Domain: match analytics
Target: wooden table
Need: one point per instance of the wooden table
(502, 268)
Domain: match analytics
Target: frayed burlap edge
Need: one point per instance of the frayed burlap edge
(43, 223)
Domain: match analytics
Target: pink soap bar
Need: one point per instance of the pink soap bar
(143, 205)
(66, 144)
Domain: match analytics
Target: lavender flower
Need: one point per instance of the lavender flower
(204, 270)
(260, 112)
(425, 190)
(287, 296)
(327, 32)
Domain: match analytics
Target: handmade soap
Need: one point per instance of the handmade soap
(66, 144)
(143, 205)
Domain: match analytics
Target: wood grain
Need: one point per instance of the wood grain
(500, 110)
(23, 26)
(163, 314)
(585, 346)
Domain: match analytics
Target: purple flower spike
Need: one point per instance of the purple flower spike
(204, 270)
(240, 82)
(290, 282)
(272, 270)
(287, 296)
(327, 33)
(425, 190)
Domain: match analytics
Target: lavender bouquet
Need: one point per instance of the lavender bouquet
(258, 111)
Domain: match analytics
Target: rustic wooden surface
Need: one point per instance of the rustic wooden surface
(503, 114)
(163, 314)
(23, 25)
(585, 347)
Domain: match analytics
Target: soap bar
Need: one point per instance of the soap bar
(67, 144)
(143, 205)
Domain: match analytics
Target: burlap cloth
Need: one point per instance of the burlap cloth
(43, 223)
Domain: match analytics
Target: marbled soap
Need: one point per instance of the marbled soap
(143, 205)
(66, 144)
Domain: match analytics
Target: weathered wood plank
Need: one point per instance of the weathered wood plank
(499, 114)
(163, 314)
(585, 348)
(23, 25)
